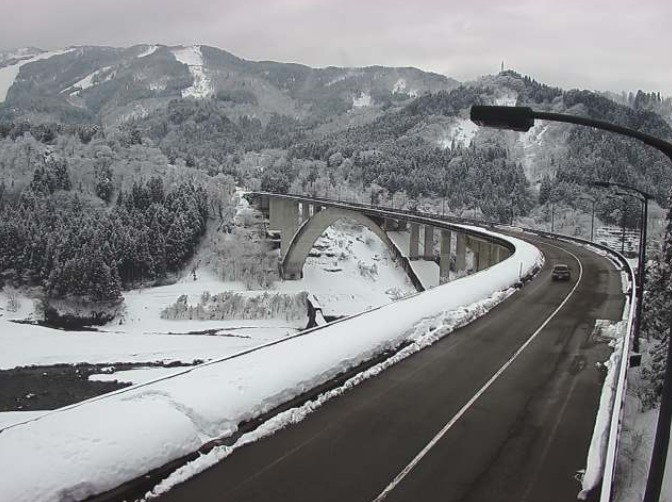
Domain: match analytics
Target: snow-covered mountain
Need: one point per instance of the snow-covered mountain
(110, 85)
(361, 109)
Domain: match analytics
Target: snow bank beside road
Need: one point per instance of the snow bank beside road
(97, 445)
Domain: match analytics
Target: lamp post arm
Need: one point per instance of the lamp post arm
(658, 143)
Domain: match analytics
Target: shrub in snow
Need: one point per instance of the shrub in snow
(13, 303)
(75, 312)
(369, 271)
(230, 305)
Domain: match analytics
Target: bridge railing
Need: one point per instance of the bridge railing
(616, 415)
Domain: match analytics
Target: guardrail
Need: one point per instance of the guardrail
(615, 422)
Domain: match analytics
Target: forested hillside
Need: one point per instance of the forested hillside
(84, 220)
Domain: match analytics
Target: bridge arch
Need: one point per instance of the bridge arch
(313, 228)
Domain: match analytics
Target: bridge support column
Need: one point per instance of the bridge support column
(472, 245)
(275, 213)
(305, 211)
(504, 253)
(444, 255)
(428, 250)
(288, 220)
(461, 252)
(389, 224)
(484, 250)
(413, 253)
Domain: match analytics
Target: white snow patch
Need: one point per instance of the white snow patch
(135, 376)
(532, 142)
(361, 101)
(90, 441)
(340, 78)
(193, 58)
(22, 53)
(8, 418)
(141, 335)
(151, 49)
(462, 132)
(8, 74)
(427, 271)
(506, 100)
(87, 82)
(354, 271)
(399, 86)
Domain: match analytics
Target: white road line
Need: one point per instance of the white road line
(406, 470)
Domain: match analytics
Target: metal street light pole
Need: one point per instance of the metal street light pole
(521, 118)
(445, 189)
(623, 227)
(643, 197)
(592, 219)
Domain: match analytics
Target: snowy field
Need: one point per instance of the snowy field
(211, 400)
(353, 272)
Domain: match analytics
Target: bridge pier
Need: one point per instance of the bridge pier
(444, 255)
(413, 245)
(284, 216)
(305, 212)
(428, 251)
(461, 252)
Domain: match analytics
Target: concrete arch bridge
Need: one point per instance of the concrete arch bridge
(300, 221)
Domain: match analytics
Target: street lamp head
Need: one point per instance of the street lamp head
(516, 118)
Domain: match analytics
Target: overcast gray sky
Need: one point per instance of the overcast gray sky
(595, 44)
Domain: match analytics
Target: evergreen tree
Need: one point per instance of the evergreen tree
(657, 315)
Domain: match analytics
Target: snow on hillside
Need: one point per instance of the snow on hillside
(151, 49)
(401, 87)
(22, 53)
(8, 74)
(364, 99)
(532, 142)
(462, 132)
(193, 58)
(506, 100)
(87, 82)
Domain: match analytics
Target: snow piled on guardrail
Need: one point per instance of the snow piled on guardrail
(94, 446)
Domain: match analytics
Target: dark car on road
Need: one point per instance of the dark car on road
(561, 272)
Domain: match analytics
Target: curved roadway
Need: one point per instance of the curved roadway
(521, 438)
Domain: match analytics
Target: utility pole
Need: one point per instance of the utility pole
(623, 228)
